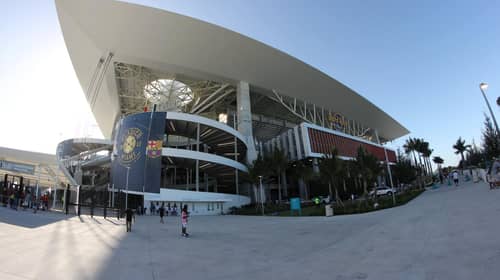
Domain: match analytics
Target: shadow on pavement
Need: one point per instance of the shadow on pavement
(28, 219)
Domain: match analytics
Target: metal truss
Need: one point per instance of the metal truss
(137, 84)
(318, 115)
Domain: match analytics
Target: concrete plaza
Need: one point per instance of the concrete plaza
(448, 233)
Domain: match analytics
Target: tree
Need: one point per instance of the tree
(419, 147)
(279, 163)
(410, 147)
(426, 152)
(438, 161)
(302, 174)
(255, 170)
(460, 148)
(404, 171)
(474, 156)
(491, 140)
(368, 167)
(329, 168)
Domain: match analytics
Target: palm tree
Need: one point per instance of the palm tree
(419, 147)
(329, 168)
(279, 163)
(257, 169)
(368, 167)
(410, 147)
(460, 148)
(302, 174)
(438, 161)
(426, 153)
(404, 171)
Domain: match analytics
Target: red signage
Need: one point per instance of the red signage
(322, 142)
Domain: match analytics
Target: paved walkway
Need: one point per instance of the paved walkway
(449, 233)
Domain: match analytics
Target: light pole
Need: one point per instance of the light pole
(261, 195)
(484, 87)
(388, 168)
(126, 186)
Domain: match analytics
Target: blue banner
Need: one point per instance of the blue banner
(137, 157)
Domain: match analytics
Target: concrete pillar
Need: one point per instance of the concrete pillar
(55, 196)
(244, 120)
(291, 147)
(78, 175)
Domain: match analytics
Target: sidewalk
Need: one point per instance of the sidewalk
(446, 233)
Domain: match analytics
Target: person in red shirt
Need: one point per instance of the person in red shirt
(184, 220)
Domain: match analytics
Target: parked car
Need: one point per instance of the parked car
(325, 199)
(320, 199)
(384, 190)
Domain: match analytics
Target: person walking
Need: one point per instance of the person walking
(129, 213)
(162, 213)
(184, 220)
(494, 174)
(152, 209)
(174, 210)
(455, 178)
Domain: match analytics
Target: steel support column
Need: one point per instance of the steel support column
(197, 161)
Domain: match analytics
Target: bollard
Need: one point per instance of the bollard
(105, 212)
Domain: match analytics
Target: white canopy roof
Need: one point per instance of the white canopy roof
(170, 42)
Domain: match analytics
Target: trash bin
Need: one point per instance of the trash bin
(328, 210)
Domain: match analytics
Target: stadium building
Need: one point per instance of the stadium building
(186, 106)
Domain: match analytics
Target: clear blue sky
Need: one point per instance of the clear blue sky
(420, 61)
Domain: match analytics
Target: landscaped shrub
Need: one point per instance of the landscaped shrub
(349, 207)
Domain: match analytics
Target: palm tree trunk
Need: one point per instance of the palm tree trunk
(285, 185)
(365, 187)
(302, 189)
(440, 173)
(337, 198)
(414, 158)
(421, 166)
(330, 189)
(279, 186)
(365, 191)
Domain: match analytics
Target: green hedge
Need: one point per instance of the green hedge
(383, 203)
(350, 207)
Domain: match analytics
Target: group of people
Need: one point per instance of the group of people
(167, 210)
(16, 198)
(129, 214)
(492, 175)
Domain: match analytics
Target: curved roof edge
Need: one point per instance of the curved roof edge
(143, 36)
